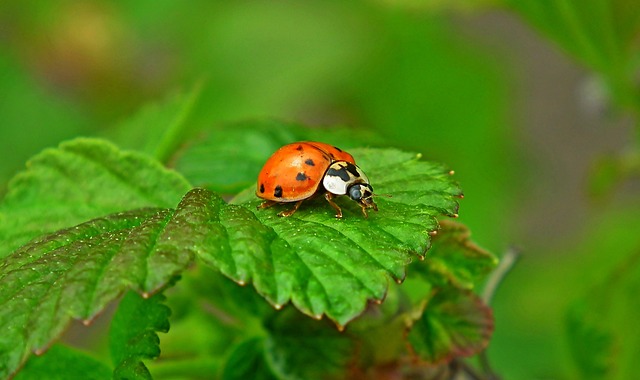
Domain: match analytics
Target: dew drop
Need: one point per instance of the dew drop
(146, 295)
(340, 328)
(318, 316)
(398, 281)
(241, 282)
(455, 215)
(433, 233)
(86, 322)
(452, 172)
(277, 306)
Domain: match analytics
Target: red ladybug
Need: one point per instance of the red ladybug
(301, 170)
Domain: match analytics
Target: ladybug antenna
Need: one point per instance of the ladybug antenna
(382, 195)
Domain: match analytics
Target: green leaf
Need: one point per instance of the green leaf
(74, 273)
(80, 180)
(159, 128)
(228, 158)
(590, 341)
(301, 348)
(329, 266)
(455, 259)
(133, 337)
(602, 325)
(602, 34)
(64, 363)
(247, 362)
(451, 324)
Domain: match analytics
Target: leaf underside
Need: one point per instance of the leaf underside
(133, 336)
(452, 324)
(454, 259)
(64, 363)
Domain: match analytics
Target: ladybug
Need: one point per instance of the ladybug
(302, 170)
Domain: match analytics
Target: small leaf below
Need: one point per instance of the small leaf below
(133, 334)
(453, 323)
(455, 259)
(301, 348)
(64, 363)
(247, 362)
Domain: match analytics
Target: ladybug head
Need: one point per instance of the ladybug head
(363, 194)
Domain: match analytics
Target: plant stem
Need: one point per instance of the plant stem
(507, 262)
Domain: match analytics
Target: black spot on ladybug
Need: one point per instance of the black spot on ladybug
(301, 177)
(309, 162)
(299, 147)
(339, 173)
(262, 188)
(352, 169)
(338, 149)
(278, 192)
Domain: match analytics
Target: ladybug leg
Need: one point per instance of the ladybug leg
(329, 197)
(364, 210)
(266, 204)
(292, 211)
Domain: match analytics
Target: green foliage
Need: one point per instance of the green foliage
(81, 180)
(327, 353)
(247, 361)
(157, 129)
(64, 363)
(322, 264)
(399, 67)
(75, 272)
(333, 266)
(227, 158)
(451, 324)
(602, 34)
(133, 334)
(454, 259)
(601, 325)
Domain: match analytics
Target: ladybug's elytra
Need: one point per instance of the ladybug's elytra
(301, 170)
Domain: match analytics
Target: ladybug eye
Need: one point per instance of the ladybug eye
(354, 193)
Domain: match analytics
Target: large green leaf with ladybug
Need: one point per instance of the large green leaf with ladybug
(335, 266)
(320, 264)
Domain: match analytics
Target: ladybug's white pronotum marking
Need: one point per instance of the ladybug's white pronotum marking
(341, 175)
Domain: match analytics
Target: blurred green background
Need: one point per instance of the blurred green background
(532, 103)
